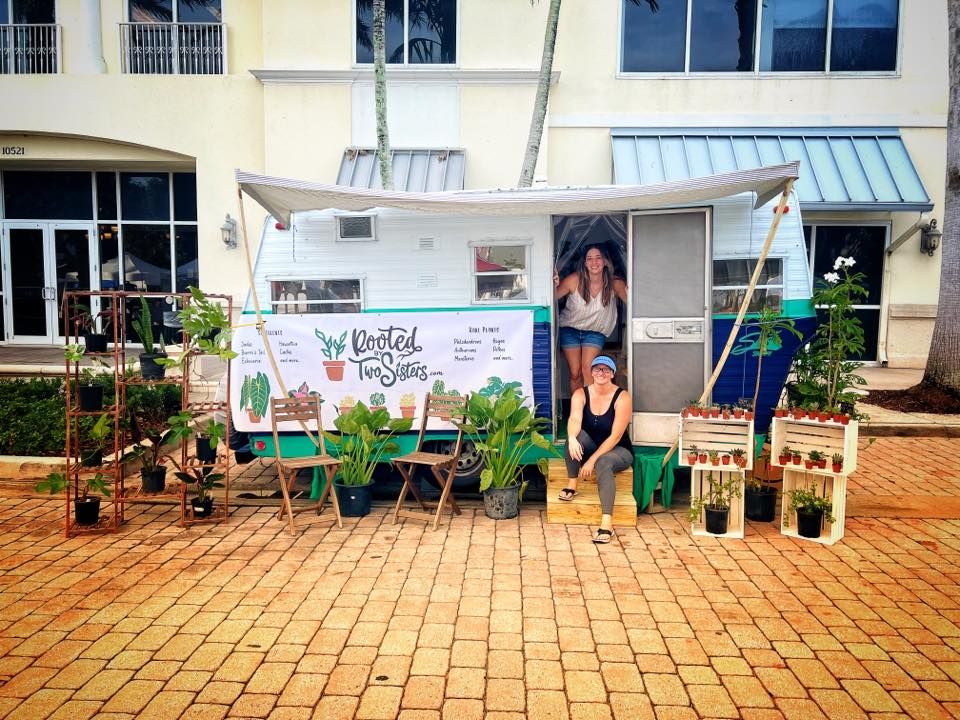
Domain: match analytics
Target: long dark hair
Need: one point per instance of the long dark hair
(583, 282)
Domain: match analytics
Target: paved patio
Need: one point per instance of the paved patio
(483, 619)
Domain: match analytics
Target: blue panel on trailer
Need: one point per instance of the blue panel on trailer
(739, 375)
(542, 373)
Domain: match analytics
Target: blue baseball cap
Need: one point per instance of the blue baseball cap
(605, 361)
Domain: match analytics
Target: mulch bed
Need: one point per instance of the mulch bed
(925, 397)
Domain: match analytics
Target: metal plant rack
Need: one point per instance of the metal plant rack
(115, 302)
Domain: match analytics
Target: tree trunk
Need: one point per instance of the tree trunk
(542, 99)
(943, 362)
(380, 94)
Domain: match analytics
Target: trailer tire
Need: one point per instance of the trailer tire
(469, 466)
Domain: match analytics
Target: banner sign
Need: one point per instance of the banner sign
(381, 359)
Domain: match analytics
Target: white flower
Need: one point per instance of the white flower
(832, 278)
(851, 262)
(841, 261)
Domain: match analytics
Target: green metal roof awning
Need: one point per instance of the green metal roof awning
(862, 169)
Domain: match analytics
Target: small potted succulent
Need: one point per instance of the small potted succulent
(725, 459)
(377, 402)
(811, 510)
(837, 461)
(692, 452)
(786, 454)
(408, 405)
(739, 456)
(781, 411)
(347, 402)
(714, 504)
(797, 457)
(725, 412)
(737, 413)
(714, 456)
(815, 459)
(714, 411)
(695, 408)
(86, 507)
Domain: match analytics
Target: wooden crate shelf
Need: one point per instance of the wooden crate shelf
(806, 435)
(699, 479)
(716, 434)
(826, 484)
(584, 509)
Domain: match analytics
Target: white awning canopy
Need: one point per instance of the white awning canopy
(282, 196)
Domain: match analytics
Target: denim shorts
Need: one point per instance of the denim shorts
(571, 337)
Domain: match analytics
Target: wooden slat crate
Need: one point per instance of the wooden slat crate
(584, 509)
(699, 479)
(716, 434)
(806, 435)
(827, 484)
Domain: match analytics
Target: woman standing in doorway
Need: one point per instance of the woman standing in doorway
(590, 314)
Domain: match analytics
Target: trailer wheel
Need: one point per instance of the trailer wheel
(467, 478)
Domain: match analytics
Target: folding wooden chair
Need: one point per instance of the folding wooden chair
(443, 467)
(302, 410)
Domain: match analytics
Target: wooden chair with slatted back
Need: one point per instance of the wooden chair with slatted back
(305, 411)
(443, 466)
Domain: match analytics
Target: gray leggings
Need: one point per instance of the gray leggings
(607, 465)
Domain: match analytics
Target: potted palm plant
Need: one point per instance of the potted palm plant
(811, 510)
(365, 437)
(502, 429)
(715, 502)
(142, 324)
(86, 507)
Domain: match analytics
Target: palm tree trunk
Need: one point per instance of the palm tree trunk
(943, 362)
(542, 99)
(380, 94)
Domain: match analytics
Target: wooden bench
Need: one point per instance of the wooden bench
(584, 509)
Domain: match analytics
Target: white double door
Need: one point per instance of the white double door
(41, 260)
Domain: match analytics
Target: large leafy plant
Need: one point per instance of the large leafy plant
(207, 328)
(365, 437)
(142, 324)
(503, 428)
(718, 496)
(56, 482)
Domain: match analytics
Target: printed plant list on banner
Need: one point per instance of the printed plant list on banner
(387, 360)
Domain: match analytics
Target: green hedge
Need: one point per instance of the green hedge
(33, 419)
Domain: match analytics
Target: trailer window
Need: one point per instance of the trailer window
(731, 277)
(500, 273)
(316, 296)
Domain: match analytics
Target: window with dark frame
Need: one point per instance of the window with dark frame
(731, 277)
(316, 295)
(501, 273)
(416, 32)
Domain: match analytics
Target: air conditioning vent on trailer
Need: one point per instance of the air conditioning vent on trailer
(355, 227)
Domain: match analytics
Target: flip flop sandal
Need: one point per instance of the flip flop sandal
(603, 536)
(567, 494)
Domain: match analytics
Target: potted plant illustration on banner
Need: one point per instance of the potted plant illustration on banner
(255, 396)
(408, 405)
(332, 350)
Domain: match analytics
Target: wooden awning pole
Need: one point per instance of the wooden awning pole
(771, 233)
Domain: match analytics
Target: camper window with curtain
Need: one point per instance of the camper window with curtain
(501, 273)
(731, 277)
(310, 296)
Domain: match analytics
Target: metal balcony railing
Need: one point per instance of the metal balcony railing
(173, 48)
(29, 49)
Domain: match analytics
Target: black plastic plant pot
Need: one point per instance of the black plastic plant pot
(760, 505)
(86, 512)
(202, 508)
(717, 520)
(95, 342)
(149, 369)
(90, 397)
(92, 458)
(154, 481)
(809, 523)
(206, 453)
(354, 500)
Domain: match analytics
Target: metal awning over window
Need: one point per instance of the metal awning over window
(413, 170)
(863, 169)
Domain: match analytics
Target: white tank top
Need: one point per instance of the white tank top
(592, 316)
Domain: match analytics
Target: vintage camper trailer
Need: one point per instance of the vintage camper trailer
(381, 297)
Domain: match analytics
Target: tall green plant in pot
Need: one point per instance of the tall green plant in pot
(503, 428)
(365, 437)
(86, 507)
(206, 327)
(142, 324)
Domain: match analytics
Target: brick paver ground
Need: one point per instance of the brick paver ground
(484, 619)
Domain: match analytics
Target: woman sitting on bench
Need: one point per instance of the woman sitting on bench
(597, 439)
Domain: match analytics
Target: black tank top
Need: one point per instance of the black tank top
(600, 427)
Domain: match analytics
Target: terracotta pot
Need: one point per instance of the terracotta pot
(822, 464)
(784, 459)
(334, 369)
(254, 418)
(715, 461)
(407, 411)
(823, 417)
(740, 462)
(703, 457)
(748, 415)
(344, 409)
(808, 464)
(779, 412)
(726, 414)
(838, 467)
(797, 459)
(694, 412)
(844, 419)
(738, 413)
(714, 412)
(725, 459)
(685, 412)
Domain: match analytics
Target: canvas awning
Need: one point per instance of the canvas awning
(855, 169)
(282, 196)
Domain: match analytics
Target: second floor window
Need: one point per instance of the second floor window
(417, 32)
(169, 37)
(29, 37)
(722, 36)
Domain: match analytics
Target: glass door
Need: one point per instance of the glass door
(40, 262)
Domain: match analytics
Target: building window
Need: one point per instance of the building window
(417, 32)
(309, 296)
(731, 277)
(501, 273)
(722, 36)
(170, 37)
(29, 37)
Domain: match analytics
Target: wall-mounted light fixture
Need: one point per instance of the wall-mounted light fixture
(228, 232)
(930, 238)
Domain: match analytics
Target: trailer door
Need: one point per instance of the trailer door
(670, 320)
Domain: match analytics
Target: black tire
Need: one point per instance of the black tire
(469, 466)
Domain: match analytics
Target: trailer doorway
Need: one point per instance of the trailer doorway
(573, 235)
